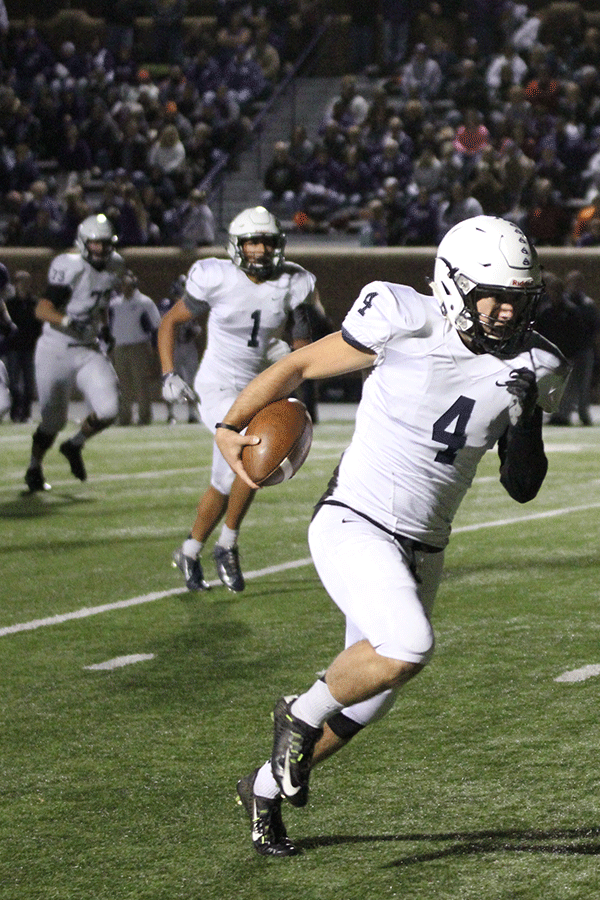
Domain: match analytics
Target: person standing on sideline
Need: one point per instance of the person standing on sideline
(21, 347)
(134, 319)
(68, 354)
(450, 377)
(249, 301)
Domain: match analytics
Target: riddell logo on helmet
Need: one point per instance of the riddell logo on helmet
(517, 283)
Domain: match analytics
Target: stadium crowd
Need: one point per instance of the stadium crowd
(465, 113)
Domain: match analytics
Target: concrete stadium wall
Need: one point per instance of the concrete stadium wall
(341, 271)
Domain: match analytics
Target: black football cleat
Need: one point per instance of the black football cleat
(269, 836)
(191, 568)
(293, 745)
(228, 568)
(35, 481)
(73, 454)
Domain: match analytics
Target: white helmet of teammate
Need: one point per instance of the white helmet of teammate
(256, 222)
(481, 257)
(97, 229)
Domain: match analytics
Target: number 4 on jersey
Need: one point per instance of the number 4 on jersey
(459, 413)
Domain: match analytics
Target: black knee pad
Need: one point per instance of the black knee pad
(344, 727)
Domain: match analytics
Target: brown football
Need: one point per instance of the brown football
(285, 431)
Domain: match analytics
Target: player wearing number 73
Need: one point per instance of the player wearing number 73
(451, 376)
(251, 300)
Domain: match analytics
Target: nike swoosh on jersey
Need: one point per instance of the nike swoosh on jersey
(288, 788)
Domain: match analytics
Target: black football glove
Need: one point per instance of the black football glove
(523, 387)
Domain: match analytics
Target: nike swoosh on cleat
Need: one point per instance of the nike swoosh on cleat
(256, 834)
(288, 788)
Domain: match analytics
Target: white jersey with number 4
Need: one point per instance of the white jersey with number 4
(246, 320)
(430, 409)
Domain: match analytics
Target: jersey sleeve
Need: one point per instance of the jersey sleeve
(201, 279)
(380, 312)
(304, 284)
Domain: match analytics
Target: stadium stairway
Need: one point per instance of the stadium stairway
(304, 102)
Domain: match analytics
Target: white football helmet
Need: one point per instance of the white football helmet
(256, 222)
(98, 229)
(481, 257)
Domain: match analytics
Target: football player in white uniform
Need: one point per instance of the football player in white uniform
(451, 376)
(69, 353)
(250, 301)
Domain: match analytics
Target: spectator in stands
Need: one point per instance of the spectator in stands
(132, 150)
(135, 227)
(24, 170)
(201, 152)
(427, 172)
(32, 62)
(373, 231)
(166, 161)
(348, 103)
(391, 162)
(204, 70)
(318, 199)
(546, 219)
(421, 76)
(20, 346)
(301, 147)
(459, 206)
(468, 88)
(471, 139)
(264, 53)
(102, 135)
(70, 66)
(394, 203)
(42, 230)
(167, 30)
(196, 221)
(591, 235)
(584, 216)
(397, 17)
(119, 17)
(76, 155)
(508, 60)
(282, 180)
(587, 53)
(420, 227)
(234, 34)
(245, 80)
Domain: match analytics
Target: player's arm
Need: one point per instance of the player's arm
(330, 356)
(170, 322)
(523, 462)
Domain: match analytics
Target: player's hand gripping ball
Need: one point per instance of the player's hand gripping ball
(285, 431)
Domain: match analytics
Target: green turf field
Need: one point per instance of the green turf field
(119, 783)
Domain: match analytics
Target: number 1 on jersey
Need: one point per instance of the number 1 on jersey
(253, 342)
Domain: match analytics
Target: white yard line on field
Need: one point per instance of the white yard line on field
(119, 661)
(259, 573)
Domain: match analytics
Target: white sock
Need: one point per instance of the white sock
(192, 547)
(264, 783)
(228, 538)
(316, 705)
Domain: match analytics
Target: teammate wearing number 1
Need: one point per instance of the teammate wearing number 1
(251, 301)
(451, 376)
